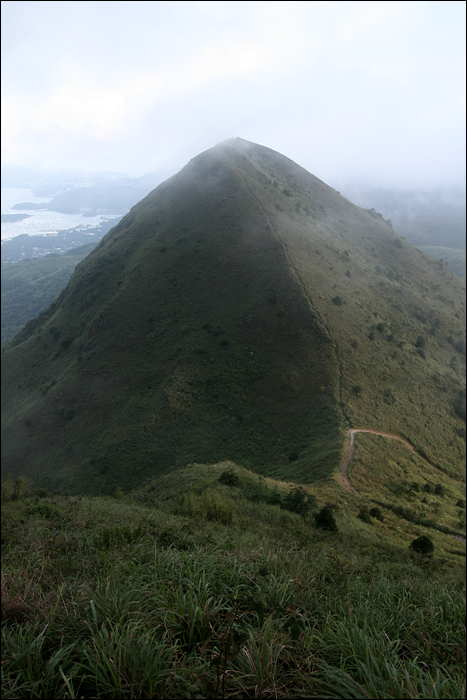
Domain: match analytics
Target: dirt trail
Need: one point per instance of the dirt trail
(350, 451)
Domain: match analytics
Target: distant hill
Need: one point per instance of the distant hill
(447, 231)
(453, 257)
(409, 203)
(243, 310)
(103, 196)
(30, 285)
(433, 221)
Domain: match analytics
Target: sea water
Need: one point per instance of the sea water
(40, 223)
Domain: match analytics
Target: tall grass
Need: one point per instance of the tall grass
(181, 604)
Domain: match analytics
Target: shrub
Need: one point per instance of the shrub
(461, 504)
(274, 498)
(364, 514)
(428, 488)
(337, 301)
(440, 490)
(376, 513)
(298, 501)
(422, 545)
(325, 519)
(420, 342)
(229, 477)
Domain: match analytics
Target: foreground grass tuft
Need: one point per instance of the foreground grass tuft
(208, 595)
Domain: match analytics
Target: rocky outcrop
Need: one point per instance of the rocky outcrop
(379, 217)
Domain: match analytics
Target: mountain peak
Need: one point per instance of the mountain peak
(243, 310)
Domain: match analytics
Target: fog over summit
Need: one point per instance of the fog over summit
(359, 92)
(242, 310)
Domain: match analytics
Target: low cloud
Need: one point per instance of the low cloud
(349, 90)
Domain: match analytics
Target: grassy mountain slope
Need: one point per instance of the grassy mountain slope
(190, 587)
(30, 286)
(243, 310)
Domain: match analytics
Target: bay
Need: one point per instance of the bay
(39, 223)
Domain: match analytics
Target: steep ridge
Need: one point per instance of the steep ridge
(303, 287)
(243, 310)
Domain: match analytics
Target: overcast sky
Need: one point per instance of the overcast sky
(372, 92)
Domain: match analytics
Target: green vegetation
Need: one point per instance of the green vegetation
(30, 286)
(364, 514)
(325, 519)
(423, 545)
(159, 594)
(217, 321)
(376, 513)
(406, 486)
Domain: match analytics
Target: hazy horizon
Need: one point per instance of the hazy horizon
(365, 92)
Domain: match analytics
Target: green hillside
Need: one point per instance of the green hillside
(30, 286)
(215, 582)
(243, 310)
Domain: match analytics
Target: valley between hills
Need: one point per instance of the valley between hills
(177, 432)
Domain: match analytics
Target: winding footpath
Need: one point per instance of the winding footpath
(350, 451)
